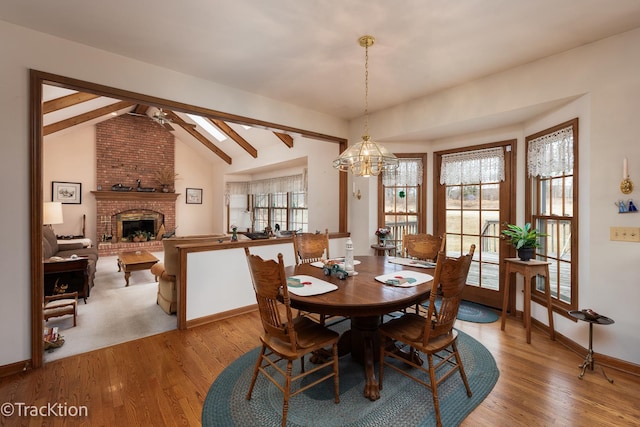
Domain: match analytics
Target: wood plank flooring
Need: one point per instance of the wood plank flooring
(164, 379)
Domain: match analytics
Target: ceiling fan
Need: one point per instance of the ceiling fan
(161, 117)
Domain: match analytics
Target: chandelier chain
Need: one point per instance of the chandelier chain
(366, 89)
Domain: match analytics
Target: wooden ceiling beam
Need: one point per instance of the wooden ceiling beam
(67, 101)
(90, 115)
(197, 135)
(224, 127)
(286, 138)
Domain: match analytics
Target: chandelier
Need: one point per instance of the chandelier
(366, 158)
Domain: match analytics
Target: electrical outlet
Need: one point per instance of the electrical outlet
(625, 234)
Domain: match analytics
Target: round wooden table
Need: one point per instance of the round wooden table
(364, 300)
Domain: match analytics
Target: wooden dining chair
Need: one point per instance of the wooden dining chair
(432, 335)
(310, 247)
(422, 246)
(286, 337)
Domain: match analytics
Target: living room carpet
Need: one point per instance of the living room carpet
(113, 314)
(403, 402)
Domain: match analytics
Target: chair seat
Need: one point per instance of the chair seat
(408, 329)
(60, 303)
(311, 336)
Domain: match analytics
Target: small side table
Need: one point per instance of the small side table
(589, 360)
(529, 269)
(386, 249)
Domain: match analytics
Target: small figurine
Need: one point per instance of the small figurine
(632, 207)
(622, 208)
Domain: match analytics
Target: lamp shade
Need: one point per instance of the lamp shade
(52, 213)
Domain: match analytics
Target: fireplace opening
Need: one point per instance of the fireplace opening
(139, 225)
(131, 228)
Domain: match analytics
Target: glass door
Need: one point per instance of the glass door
(471, 206)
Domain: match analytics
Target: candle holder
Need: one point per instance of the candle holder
(626, 186)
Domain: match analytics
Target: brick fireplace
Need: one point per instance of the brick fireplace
(128, 149)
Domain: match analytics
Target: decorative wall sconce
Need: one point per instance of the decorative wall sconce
(626, 186)
(356, 194)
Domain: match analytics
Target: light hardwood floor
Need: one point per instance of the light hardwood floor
(164, 379)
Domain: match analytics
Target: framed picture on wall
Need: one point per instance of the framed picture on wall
(194, 196)
(66, 192)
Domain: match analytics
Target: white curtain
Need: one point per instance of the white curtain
(408, 172)
(551, 154)
(284, 184)
(473, 167)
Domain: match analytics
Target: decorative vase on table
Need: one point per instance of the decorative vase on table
(234, 235)
(382, 234)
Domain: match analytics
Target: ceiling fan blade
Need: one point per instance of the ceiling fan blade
(167, 125)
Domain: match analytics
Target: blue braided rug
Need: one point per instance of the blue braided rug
(403, 402)
(472, 312)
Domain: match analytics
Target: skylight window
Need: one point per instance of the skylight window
(207, 126)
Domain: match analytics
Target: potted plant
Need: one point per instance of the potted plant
(524, 239)
(166, 177)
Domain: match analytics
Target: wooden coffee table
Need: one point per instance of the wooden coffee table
(134, 261)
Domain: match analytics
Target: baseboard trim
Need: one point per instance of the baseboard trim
(15, 368)
(220, 316)
(602, 359)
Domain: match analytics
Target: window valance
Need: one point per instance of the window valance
(551, 154)
(284, 184)
(408, 172)
(473, 167)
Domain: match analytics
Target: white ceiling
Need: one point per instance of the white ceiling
(305, 52)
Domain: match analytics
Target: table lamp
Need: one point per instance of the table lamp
(52, 213)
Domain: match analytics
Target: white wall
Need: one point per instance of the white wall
(71, 157)
(599, 84)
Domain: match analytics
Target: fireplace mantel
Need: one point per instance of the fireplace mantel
(135, 195)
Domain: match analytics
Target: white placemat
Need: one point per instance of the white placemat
(310, 286)
(412, 262)
(320, 264)
(404, 278)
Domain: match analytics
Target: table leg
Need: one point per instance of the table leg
(505, 298)
(547, 291)
(527, 307)
(127, 274)
(589, 359)
(365, 341)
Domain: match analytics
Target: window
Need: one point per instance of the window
(552, 195)
(265, 203)
(288, 210)
(403, 202)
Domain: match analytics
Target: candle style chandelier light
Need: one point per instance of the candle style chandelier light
(366, 158)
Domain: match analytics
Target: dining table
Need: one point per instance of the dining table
(364, 300)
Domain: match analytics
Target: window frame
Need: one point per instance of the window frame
(421, 194)
(532, 214)
(271, 208)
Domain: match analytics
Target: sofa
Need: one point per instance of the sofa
(51, 247)
(168, 271)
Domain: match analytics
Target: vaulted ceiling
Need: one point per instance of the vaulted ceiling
(63, 109)
(305, 53)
